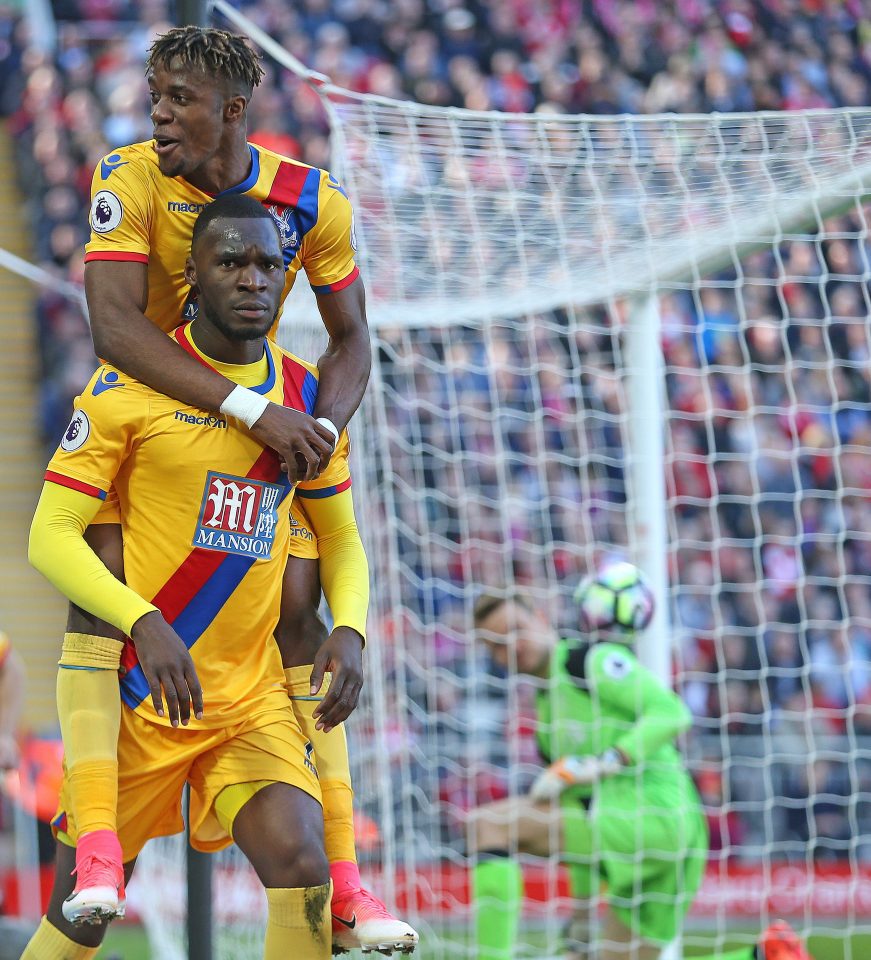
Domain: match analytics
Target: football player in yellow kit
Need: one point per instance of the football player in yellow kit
(145, 199)
(204, 510)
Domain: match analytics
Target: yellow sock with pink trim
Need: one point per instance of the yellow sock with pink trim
(89, 711)
(334, 768)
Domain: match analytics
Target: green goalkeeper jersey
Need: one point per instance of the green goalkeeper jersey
(643, 829)
(599, 696)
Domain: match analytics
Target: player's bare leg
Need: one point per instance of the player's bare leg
(536, 828)
(56, 936)
(280, 831)
(360, 920)
(89, 709)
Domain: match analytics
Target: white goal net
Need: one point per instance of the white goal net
(509, 262)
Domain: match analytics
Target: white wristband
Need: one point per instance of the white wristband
(245, 405)
(331, 427)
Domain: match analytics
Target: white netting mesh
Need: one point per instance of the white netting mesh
(460, 213)
(498, 453)
(501, 254)
(498, 445)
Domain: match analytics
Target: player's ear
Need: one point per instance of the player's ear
(190, 272)
(234, 108)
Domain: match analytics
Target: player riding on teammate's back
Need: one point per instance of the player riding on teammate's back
(145, 199)
(205, 519)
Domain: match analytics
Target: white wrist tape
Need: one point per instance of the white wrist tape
(331, 427)
(245, 405)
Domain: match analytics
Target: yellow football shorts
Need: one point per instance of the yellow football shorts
(303, 542)
(154, 762)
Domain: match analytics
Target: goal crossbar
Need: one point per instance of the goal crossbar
(568, 209)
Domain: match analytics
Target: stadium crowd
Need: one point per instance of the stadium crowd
(766, 430)
(67, 108)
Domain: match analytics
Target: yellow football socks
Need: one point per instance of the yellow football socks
(334, 770)
(338, 801)
(89, 710)
(299, 923)
(48, 943)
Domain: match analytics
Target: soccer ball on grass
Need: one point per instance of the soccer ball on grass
(615, 599)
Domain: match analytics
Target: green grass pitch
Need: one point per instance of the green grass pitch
(128, 942)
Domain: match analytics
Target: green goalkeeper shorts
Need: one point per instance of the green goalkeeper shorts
(651, 858)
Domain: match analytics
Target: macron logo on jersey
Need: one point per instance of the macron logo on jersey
(107, 380)
(238, 515)
(110, 164)
(207, 421)
(334, 184)
(179, 206)
(310, 758)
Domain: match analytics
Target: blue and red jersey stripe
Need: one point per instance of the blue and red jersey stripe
(338, 284)
(300, 385)
(73, 484)
(289, 183)
(297, 187)
(323, 492)
(200, 587)
(116, 255)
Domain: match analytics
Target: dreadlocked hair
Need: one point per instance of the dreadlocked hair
(215, 52)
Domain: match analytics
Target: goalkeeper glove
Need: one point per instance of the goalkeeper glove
(575, 771)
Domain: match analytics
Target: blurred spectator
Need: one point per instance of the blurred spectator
(768, 418)
(11, 702)
(817, 798)
(600, 56)
(725, 827)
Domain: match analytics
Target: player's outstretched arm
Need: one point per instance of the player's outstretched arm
(344, 367)
(60, 552)
(117, 292)
(623, 684)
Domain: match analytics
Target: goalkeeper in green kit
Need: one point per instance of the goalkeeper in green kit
(616, 803)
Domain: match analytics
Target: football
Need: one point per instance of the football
(615, 598)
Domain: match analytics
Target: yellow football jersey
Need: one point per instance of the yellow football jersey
(205, 518)
(139, 214)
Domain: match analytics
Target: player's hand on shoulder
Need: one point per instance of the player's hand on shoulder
(574, 772)
(342, 654)
(168, 668)
(304, 444)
